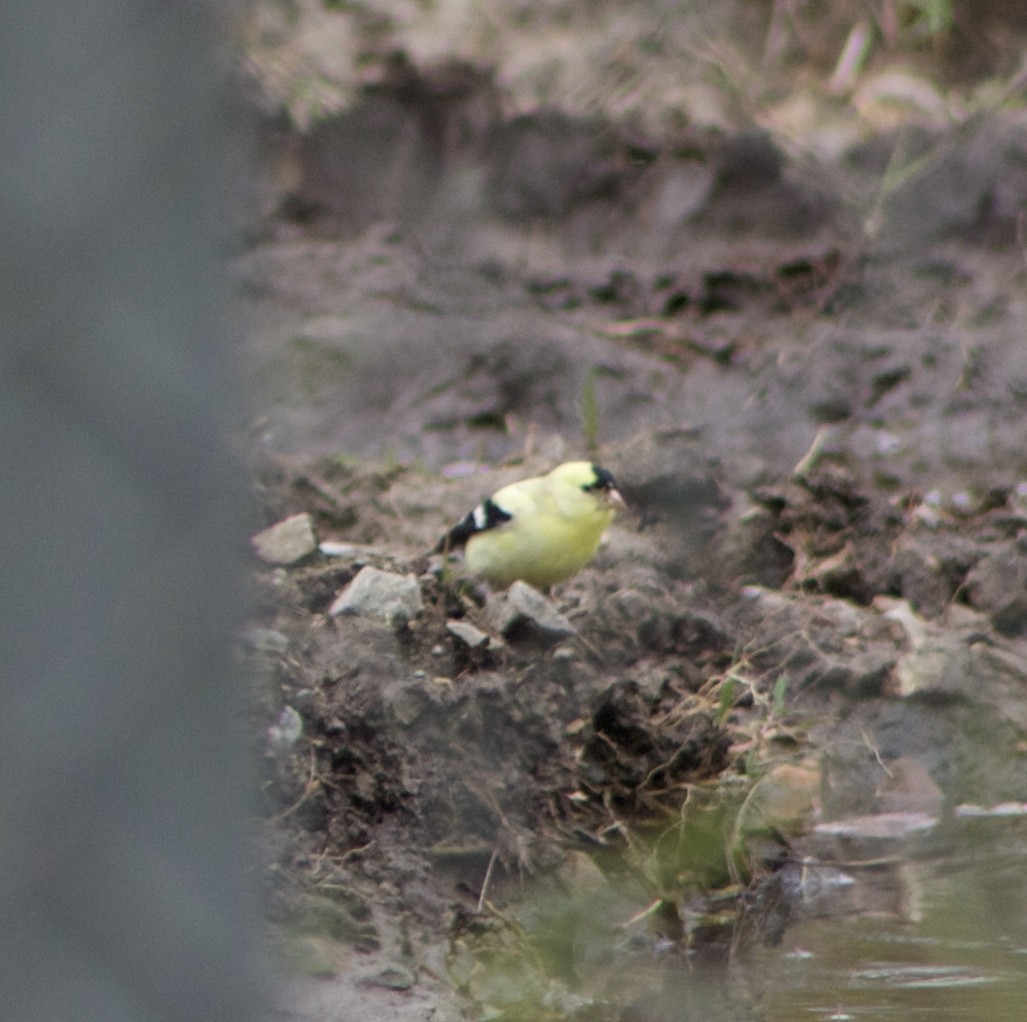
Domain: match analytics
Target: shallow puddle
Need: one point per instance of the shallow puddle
(954, 946)
(934, 930)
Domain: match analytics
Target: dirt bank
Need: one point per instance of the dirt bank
(811, 389)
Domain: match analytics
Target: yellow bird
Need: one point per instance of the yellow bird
(540, 530)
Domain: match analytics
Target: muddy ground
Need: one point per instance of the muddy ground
(811, 388)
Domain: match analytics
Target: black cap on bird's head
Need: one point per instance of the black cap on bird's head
(603, 482)
(603, 479)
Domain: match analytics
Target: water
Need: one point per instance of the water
(934, 931)
(953, 946)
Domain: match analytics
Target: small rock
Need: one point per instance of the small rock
(958, 658)
(336, 548)
(287, 730)
(473, 638)
(523, 611)
(683, 191)
(287, 541)
(937, 662)
(380, 594)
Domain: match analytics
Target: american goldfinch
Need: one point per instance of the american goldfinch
(540, 530)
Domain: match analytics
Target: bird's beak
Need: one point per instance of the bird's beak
(615, 500)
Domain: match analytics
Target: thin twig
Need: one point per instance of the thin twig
(485, 882)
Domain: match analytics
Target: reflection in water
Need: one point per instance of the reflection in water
(935, 930)
(944, 938)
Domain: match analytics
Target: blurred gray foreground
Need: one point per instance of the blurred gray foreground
(123, 868)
